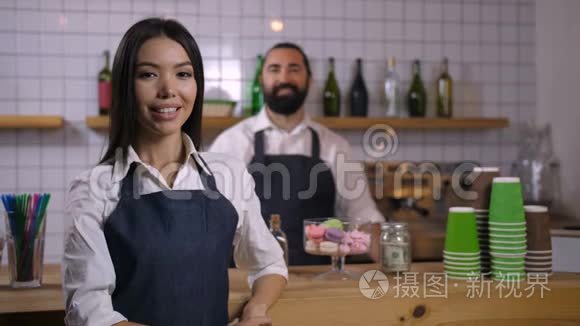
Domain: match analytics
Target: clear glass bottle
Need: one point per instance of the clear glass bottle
(395, 248)
(279, 235)
(392, 91)
(538, 167)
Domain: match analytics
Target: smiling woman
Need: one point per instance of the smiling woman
(153, 228)
(157, 63)
(164, 87)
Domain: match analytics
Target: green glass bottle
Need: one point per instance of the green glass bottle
(417, 97)
(331, 93)
(445, 92)
(257, 95)
(105, 93)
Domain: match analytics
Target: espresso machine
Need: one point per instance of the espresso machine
(419, 194)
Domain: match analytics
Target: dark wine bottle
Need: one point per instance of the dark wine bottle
(257, 95)
(331, 93)
(359, 97)
(417, 97)
(445, 92)
(105, 87)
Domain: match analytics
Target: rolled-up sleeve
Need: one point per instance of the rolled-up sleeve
(256, 250)
(87, 270)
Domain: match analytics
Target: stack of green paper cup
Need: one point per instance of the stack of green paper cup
(507, 229)
(461, 254)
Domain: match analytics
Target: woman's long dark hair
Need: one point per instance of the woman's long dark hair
(123, 129)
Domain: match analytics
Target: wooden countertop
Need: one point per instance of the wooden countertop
(310, 302)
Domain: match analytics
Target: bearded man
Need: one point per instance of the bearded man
(298, 165)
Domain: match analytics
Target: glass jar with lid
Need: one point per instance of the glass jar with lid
(395, 248)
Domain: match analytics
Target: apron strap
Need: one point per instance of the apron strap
(127, 185)
(207, 180)
(315, 143)
(259, 146)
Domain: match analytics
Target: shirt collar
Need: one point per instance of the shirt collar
(121, 165)
(263, 122)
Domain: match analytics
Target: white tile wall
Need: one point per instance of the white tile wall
(51, 54)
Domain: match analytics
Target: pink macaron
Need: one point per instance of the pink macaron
(315, 232)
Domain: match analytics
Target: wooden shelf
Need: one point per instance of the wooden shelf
(352, 123)
(102, 123)
(98, 122)
(31, 122)
(219, 122)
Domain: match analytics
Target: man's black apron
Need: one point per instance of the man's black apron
(297, 187)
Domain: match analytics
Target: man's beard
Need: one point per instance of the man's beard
(285, 104)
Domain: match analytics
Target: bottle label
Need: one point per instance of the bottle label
(105, 94)
(395, 257)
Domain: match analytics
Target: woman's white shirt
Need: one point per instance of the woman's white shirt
(87, 269)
